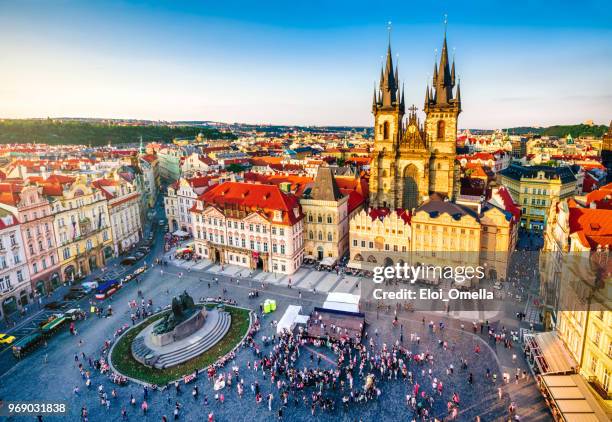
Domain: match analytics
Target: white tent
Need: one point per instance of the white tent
(346, 302)
(288, 320)
(180, 233)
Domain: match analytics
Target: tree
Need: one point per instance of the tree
(235, 168)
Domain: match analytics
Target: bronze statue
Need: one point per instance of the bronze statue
(182, 308)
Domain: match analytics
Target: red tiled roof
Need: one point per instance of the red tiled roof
(381, 213)
(593, 226)
(264, 199)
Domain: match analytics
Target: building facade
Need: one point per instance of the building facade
(249, 225)
(124, 212)
(15, 287)
(82, 228)
(410, 162)
(326, 228)
(575, 270)
(535, 188)
(34, 213)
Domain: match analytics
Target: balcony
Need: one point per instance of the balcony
(596, 385)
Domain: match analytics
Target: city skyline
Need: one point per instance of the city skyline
(311, 66)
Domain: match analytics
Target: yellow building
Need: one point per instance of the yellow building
(439, 233)
(576, 287)
(82, 230)
(535, 188)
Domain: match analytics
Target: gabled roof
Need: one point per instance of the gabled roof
(325, 187)
(264, 199)
(593, 226)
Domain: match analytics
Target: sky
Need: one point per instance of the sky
(313, 62)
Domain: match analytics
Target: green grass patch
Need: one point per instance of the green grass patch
(124, 362)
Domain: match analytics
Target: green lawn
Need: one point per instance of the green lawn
(125, 363)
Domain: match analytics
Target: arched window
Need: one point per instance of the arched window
(358, 257)
(440, 129)
(310, 217)
(329, 237)
(311, 235)
(329, 219)
(319, 219)
(386, 130)
(320, 236)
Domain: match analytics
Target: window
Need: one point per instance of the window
(371, 245)
(273, 230)
(19, 276)
(385, 130)
(283, 268)
(274, 248)
(310, 218)
(281, 231)
(250, 227)
(31, 247)
(35, 268)
(265, 246)
(329, 219)
(89, 244)
(329, 237)
(252, 245)
(319, 219)
(13, 241)
(66, 253)
(440, 133)
(243, 243)
(16, 258)
(282, 249)
(363, 243)
(354, 242)
(3, 263)
(594, 362)
(105, 236)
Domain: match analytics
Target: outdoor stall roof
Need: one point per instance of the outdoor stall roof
(328, 261)
(288, 320)
(551, 356)
(573, 398)
(180, 233)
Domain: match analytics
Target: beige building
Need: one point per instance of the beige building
(82, 227)
(326, 231)
(440, 233)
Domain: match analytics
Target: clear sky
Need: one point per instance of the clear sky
(306, 62)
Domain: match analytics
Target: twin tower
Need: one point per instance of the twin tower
(411, 161)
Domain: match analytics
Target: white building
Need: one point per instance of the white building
(180, 198)
(124, 212)
(249, 225)
(15, 284)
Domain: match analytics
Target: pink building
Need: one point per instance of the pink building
(34, 213)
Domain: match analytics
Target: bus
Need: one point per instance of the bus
(107, 289)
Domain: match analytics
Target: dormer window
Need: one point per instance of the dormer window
(278, 215)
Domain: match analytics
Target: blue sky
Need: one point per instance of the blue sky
(310, 62)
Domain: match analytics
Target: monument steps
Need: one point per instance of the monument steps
(221, 327)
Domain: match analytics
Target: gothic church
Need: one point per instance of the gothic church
(411, 161)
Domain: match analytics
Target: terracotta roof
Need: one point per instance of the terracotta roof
(381, 213)
(264, 199)
(593, 226)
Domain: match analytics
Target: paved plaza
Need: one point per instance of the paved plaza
(51, 372)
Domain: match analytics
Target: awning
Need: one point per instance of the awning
(328, 261)
(309, 257)
(571, 399)
(180, 233)
(549, 354)
(361, 265)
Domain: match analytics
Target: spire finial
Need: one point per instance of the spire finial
(445, 24)
(389, 28)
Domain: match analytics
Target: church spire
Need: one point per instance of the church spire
(453, 73)
(458, 100)
(389, 82)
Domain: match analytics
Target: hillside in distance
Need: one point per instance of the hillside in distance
(54, 132)
(561, 130)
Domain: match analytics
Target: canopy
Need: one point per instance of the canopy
(328, 261)
(180, 233)
(572, 398)
(342, 302)
(549, 354)
(288, 320)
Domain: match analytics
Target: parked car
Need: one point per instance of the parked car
(130, 260)
(139, 255)
(139, 271)
(89, 286)
(144, 249)
(6, 339)
(54, 305)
